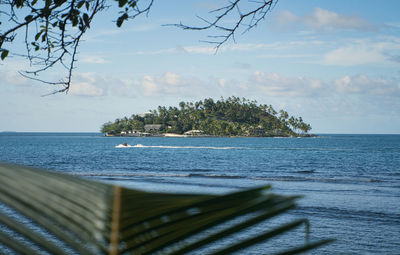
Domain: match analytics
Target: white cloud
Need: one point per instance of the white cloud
(88, 84)
(361, 52)
(211, 50)
(257, 84)
(9, 72)
(172, 78)
(362, 84)
(85, 89)
(207, 50)
(322, 20)
(274, 84)
(285, 18)
(170, 84)
(94, 60)
(395, 25)
(12, 77)
(149, 85)
(221, 82)
(289, 56)
(101, 35)
(142, 28)
(354, 55)
(156, 52)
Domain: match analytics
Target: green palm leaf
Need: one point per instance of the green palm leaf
(96, 218)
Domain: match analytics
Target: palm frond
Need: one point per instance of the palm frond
(91, 217)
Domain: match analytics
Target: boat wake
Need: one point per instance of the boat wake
(179, 147)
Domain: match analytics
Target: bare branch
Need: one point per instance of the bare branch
(253, 16)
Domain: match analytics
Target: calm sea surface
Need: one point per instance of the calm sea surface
(351, 183)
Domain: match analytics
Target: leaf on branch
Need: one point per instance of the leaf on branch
(121, 19)
(37, 36)
(28, 18)
(34, 44)
(122, 3)
(80, 4)
(4, 54)
(59, 2)
(44, 37)
(86, 19)
(19, 3)
(75, 21)
(46, 12)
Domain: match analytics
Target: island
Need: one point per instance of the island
(231, 117)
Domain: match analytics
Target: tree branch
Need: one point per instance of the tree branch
(54, 41)
(255, 15)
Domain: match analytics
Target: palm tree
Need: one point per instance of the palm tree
(90, 217)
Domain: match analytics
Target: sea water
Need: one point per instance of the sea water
(350, 183)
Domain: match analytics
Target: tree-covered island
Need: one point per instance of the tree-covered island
(226, 117)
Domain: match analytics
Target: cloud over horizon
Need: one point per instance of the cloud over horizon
(257, 83)
(88, 84)
(274, 84)
(362, 84)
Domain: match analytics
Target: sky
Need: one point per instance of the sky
(334, 63)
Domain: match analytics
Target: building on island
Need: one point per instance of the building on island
(152, 127)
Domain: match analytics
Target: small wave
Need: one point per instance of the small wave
(179, 147)
(371, 180)
(217, 176)
(175, 175)
(317, 179)
(129, 175)
(305, 171)
(333, 212)
(224, 176)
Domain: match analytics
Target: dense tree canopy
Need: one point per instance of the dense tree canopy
(226, 117)
(52, 29)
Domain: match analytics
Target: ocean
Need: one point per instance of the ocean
(350, 183)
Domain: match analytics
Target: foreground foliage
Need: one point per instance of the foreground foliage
(230, 117)
(72, 215)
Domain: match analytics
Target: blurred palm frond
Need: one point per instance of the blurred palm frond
(89, 217)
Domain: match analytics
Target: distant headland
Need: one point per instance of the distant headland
(231, 117)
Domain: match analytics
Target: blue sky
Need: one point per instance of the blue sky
(334, 63)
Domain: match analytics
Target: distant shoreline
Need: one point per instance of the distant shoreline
(171, 135)
(102, 134)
